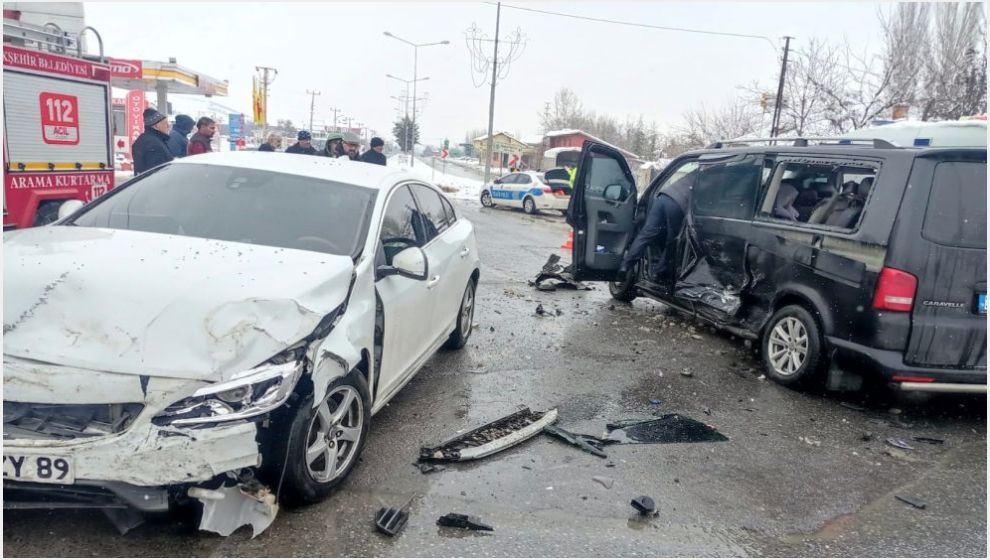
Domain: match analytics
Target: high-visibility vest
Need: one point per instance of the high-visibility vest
(572, 174)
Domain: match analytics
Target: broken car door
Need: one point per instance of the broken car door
(602, 212)
(406, 330)
(713, 274)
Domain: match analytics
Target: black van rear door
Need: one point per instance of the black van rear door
(944, 245)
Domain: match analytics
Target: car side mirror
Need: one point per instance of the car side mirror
(69, 207)
(498, 181)
(410, 262)
(613, 193)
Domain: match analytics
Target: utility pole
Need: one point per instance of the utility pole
(491, 101)
(779, 104)
(265, 82)
(335, 110)
(312, 106)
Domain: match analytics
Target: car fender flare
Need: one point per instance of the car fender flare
(814, 301)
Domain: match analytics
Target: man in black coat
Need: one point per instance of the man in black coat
(150, 149)
(375, 155)
(303, 145)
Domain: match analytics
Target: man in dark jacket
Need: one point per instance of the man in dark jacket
(202, 141)
(664, 220)
(351, 144)
(303, 145)
(375, 155)
(178, 139)
(149, 149)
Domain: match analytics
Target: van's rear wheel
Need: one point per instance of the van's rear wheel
(792, 347)
(625, 289)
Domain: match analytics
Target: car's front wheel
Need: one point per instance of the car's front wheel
(529, 205)
(792, 347)
(324, 442)
(465, 319)
(486, 199)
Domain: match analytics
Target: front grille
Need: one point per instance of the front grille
(66, 421)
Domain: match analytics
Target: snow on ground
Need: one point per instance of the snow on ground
(454, 185)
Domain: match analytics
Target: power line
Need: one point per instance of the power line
(643, 25)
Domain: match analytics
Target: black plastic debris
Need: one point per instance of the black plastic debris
(391, 521)
(490, 438)
(540, 311)
(913, 502)
(852, 406)
(590, 444)
(867, 436)
(899, 443)
(427, 468)
(462, 521)
(553, 276)
(931, 440)
(644, 505)
(669, 428)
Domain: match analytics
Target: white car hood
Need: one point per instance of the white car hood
(160, 305)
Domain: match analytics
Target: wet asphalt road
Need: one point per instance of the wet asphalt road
(762, 492)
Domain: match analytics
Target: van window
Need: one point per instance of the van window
(957, 205)
(822, 194)
(728, 189)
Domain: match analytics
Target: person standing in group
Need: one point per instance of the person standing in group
(303, 145)
(374, 154)
(178, 139)
(332, 148)
(351, 144)
(202, 141)
(273, 144)
(149, 149)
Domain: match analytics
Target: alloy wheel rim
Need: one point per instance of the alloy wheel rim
(467, 311)
(334, 434)
(788, 346)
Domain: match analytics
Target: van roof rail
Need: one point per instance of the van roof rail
(802, 142)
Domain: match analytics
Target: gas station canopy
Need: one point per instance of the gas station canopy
(163, 78)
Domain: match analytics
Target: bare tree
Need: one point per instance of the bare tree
(805, 103)
(565, 111)
(735, 120)
(955, 70)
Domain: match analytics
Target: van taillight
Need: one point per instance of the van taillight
(895, 290)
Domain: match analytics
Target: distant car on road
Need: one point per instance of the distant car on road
(532, 191)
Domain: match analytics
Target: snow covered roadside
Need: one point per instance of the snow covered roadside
(456, 187)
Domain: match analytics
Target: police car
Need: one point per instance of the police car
(532, 191)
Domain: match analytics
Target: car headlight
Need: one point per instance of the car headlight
(248, 394)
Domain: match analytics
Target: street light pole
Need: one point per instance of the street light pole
(491, 103)
(415, 47)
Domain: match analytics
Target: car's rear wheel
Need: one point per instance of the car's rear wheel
(465, 319)
(529, 205)
(792, 347)
(624, 289)
(323, 442)
(486, 199)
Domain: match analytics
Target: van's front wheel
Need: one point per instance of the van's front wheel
(624, 289)
(792, 347)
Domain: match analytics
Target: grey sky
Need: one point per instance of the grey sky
(339, 49)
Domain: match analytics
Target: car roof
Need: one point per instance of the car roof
(377, 177)
(829, 149)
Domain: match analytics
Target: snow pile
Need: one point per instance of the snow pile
(454, 185)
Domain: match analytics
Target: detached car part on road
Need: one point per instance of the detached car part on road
(864, 257)
(221, 317)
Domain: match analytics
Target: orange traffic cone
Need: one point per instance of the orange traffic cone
(569, 244)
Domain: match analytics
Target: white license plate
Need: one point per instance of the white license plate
(50, 469)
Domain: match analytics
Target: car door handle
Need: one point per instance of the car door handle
(465, 252)
(432, 282)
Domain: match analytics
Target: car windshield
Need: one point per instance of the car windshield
(242, 205)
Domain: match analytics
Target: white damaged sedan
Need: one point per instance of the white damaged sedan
(223, 328)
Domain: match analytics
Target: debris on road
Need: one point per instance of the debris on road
(390, 521)
(669, 428)
(645, 506)
(591, 444)
(852, 406)
(867, 436)
(900, 443)
(913, 502)
(462, 521)
(707, 410)
(686, 372)
(491, 438)
(563, 276)
(427, 468)
(655, 402)
(810, 441)
(539, 310)
(231, 507)
(604, 481)
(931, 440)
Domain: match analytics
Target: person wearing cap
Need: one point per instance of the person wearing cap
(303, 145)
(150, 149)
(202, 141)
(332, 148)
(273, 144)
(351, 144)
(178, 139)
(374, 154)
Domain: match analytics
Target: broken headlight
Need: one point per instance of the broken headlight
(248, 394)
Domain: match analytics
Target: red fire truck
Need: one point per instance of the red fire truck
(56, 125)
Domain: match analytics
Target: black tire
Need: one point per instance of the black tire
(795, 323)
(287, 468)
(529, 206)
(47, 212)
(464, 325)
(624, 290)
(486, 199)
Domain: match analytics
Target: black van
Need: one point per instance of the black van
(853, 254)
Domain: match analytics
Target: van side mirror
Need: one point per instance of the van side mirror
(614, 193)
(410, 262)
(69, 207)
